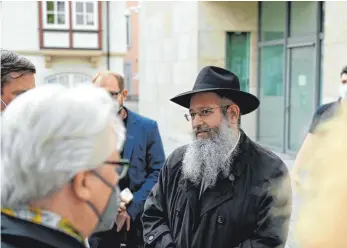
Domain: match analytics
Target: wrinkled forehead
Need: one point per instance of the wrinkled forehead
(204, 99)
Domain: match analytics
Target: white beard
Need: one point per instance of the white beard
(207, 158)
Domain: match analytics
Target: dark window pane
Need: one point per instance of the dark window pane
(61, 6)
(322, 14)
(90, 7)
(271, 96)
(272, 20)
(303, 18)
(50, 5)
(79, 7)
(128, 29)
(61, 18)
(79, 19)
(50, 18)
(238, 57)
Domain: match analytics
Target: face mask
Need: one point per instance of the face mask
(4, 103)
(120, 109)
(108, 217)
(343, 91)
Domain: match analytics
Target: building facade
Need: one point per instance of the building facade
(289, 54)
(131, 58)
(68, 41)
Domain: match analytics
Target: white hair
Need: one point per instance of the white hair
(51, 133)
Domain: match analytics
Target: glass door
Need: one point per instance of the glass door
(237, 57)
(302, 93)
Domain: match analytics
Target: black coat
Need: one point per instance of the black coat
(17, 233)
(252, 211)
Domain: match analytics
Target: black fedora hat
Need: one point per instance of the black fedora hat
(225, 84)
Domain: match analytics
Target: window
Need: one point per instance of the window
(272, 20)
(68, 79)
(55, 14)
(85, 15)
(128, 28)
(238, 57)
(127, 76)
(303, 20)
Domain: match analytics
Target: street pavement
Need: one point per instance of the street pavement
(171, 144)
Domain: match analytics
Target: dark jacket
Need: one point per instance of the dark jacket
(144, 149)
(250, 209)
(17, 233)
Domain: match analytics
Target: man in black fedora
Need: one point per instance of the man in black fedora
(223, 189)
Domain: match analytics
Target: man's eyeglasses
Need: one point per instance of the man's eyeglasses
(202, 113)
(122, 167)
(115, 94)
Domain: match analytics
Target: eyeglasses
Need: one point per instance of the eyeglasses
(122, 167)
(202, 113)
(114, 94)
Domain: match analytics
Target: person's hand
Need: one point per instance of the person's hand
(122, 218)
(122, 207)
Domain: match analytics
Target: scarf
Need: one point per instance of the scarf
(45, 218)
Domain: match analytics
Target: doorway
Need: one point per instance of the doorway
(238, 56)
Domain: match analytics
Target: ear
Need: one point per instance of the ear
(81, 186)
(124, 94)
(233, 114)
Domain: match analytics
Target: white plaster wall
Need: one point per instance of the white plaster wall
(20, 25)
(334, 47)
(168, 63)
(117, 26)
(20, 22)
(215, 20)
(1, 24)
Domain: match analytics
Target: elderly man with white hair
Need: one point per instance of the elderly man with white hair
(60, 166)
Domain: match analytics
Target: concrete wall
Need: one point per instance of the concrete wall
(168, 62)
(334, 47)
(177, 39)
(20, 25)
(215, 20)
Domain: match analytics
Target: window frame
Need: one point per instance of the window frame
(56, 78)
(85, 26)
(55, 11)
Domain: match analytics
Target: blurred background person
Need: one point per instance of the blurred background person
(322, 217)
(324, 113)
(17, 76)
(144, 149)
(60, 166)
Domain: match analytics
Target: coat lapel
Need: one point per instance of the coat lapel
(130, 135)
(224, 189)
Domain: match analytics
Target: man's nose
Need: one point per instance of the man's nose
(197, 121)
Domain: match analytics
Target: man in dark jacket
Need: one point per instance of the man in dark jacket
(144, 149)
(223, 190)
